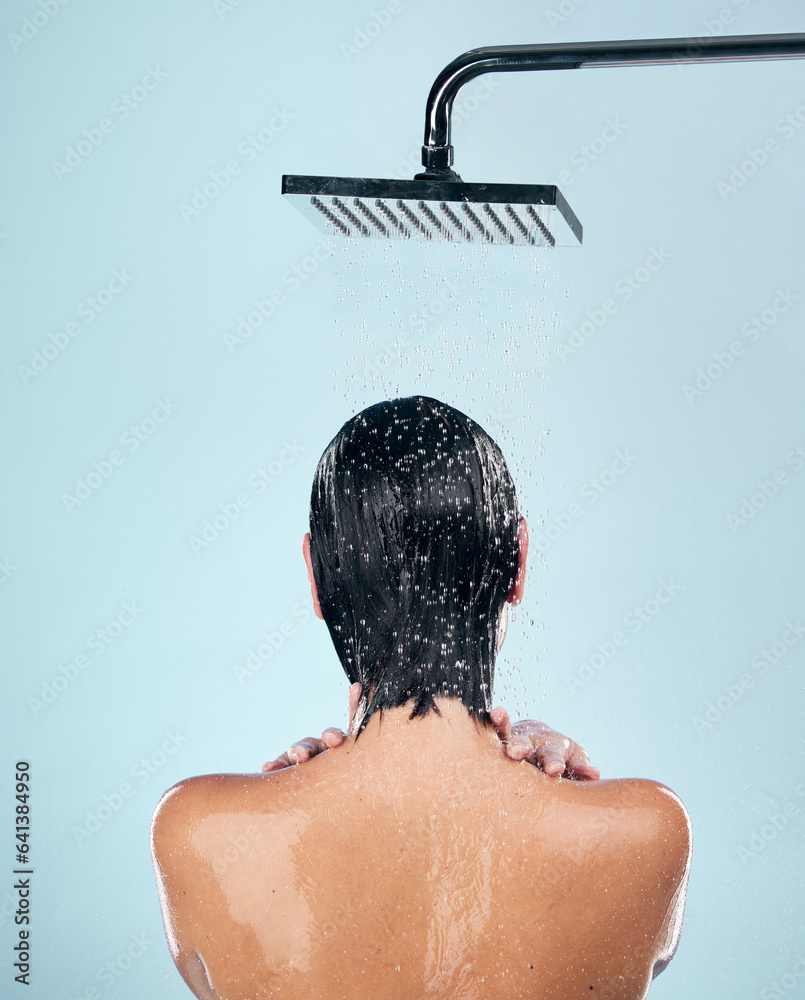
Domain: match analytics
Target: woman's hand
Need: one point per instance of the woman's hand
(536, 742)
(529, 740)
(310, 747)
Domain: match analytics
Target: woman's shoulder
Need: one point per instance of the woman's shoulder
(192, 799)
(643, 823)
(194, 792)
(641, 807)
(651, 800)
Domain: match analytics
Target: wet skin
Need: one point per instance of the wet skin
(420, 861)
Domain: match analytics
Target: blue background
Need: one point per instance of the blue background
(567, 358)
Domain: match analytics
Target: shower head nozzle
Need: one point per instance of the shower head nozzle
(436, 209)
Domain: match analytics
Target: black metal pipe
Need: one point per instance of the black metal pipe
(437, 152)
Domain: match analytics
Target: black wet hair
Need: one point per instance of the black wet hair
(414, 546)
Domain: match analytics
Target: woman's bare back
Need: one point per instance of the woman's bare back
(425, 868)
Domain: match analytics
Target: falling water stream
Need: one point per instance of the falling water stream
(474, 326)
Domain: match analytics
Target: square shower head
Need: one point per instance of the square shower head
(436, 210)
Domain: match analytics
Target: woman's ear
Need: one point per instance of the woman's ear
(311, 579)
(516, 592)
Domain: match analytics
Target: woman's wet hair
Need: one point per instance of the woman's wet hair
(414, 545)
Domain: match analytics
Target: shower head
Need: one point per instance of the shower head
(436, 209)
(437, 205)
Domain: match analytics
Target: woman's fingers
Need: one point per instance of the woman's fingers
(301, 751)
(519, 748)
(310, 747)
(548, 751)
(304, 749)
(550, 759)
(579, 766)
(502, 722)
(542, 746)
(559, 756)
(586, 772)
(521, 738)
(276, 765)
(333, 737)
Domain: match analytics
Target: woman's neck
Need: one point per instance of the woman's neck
(453, 729)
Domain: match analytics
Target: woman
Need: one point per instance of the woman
(417, 860)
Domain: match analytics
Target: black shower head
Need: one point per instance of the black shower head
(439, 210)
(438, 205)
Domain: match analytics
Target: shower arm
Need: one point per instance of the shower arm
(437, 152)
